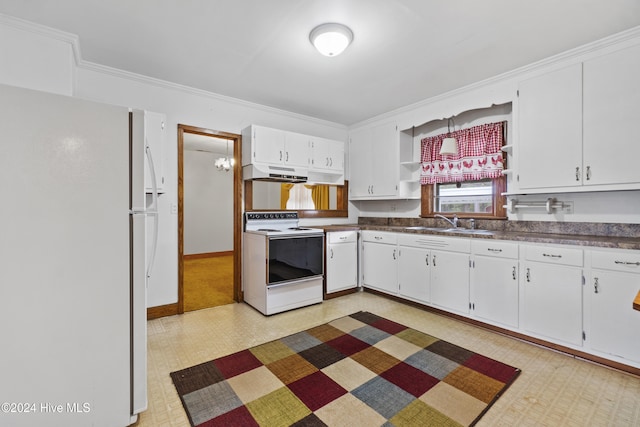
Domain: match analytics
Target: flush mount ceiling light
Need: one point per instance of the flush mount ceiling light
(331, 39)
(449, 144)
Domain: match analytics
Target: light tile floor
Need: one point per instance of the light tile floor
(553, 389)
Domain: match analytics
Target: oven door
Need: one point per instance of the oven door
(294, 258)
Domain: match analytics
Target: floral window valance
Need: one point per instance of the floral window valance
(479, 155)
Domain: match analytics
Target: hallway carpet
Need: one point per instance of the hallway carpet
(208, 282)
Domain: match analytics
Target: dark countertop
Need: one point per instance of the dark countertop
(599, 235)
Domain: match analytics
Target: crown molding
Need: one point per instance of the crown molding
(116, 72)
(44, 31)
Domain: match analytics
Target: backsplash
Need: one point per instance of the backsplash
(542, 227)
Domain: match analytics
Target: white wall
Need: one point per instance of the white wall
(208, 204)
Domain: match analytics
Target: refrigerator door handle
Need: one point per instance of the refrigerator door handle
(153, 210)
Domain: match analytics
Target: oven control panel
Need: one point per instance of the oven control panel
(256, 216)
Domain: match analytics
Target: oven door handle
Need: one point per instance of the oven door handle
(294, 282)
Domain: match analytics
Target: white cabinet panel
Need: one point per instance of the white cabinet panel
(550, 129)
(450, 280)
(614, 283)
(380, 266)
(611, 99)
(414, 273)
(494, 288)
(553, 301)
(374, 163)
(342, 260)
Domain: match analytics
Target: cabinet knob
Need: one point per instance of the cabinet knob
(513, 273)
(528, 275)
(588, 173)
(434, 260)
(577, 173)
(595, 285)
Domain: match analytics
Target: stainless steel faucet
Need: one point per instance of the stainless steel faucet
(454, 222)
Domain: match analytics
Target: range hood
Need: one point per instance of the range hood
(264, 172)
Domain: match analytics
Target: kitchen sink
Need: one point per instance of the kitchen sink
(466, 231)
(450, 230)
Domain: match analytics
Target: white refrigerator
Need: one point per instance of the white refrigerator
(72, 261)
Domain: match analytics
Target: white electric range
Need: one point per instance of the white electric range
(283, 263)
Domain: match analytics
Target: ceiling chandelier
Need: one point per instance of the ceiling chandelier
(225, 163)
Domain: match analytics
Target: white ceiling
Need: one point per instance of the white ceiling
(404, 51)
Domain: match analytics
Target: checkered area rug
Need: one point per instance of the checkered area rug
(358, 370)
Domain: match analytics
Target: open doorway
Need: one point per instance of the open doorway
(209, 218)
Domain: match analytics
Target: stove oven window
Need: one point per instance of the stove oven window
(295, 258)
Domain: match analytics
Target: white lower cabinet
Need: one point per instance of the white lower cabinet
(450, 280)
(435, 270)
(613, 325)
(414, 273)
(380, 261)
(576, 297)
(552, 293)
(494, 282)
(342, 260)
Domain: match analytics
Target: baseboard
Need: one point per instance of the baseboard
(207, 255)
(162, 311)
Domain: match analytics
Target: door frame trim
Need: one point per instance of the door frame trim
(237, 207)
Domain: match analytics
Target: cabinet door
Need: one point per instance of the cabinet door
(296, 149)
(550, 129)
(327, 154)
(267, 145)
(611, 99)
(614, 325)
(553, 301)
(385, 162)
(379, 264)
(360, 171)
(494, 290)
(450, 280)
(413, 273)
(155, 138)
(342, 266)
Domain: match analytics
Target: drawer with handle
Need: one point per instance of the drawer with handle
(554, 255)
(628, 261)
(499, 249)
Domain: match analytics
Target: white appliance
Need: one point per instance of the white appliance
(283, 263)
(73, 274)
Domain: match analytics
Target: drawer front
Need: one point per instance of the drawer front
(428, 241)
(628, 261)
(554, 255)
(342, 236)
(379, 237)
(494, 248)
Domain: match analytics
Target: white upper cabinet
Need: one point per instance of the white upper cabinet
(296, 149)
(611, 133)
(274, 147)
(283, 152)
(327, 155)
(550, 129)
(577, 126)
(155, 135)
(374, 163)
